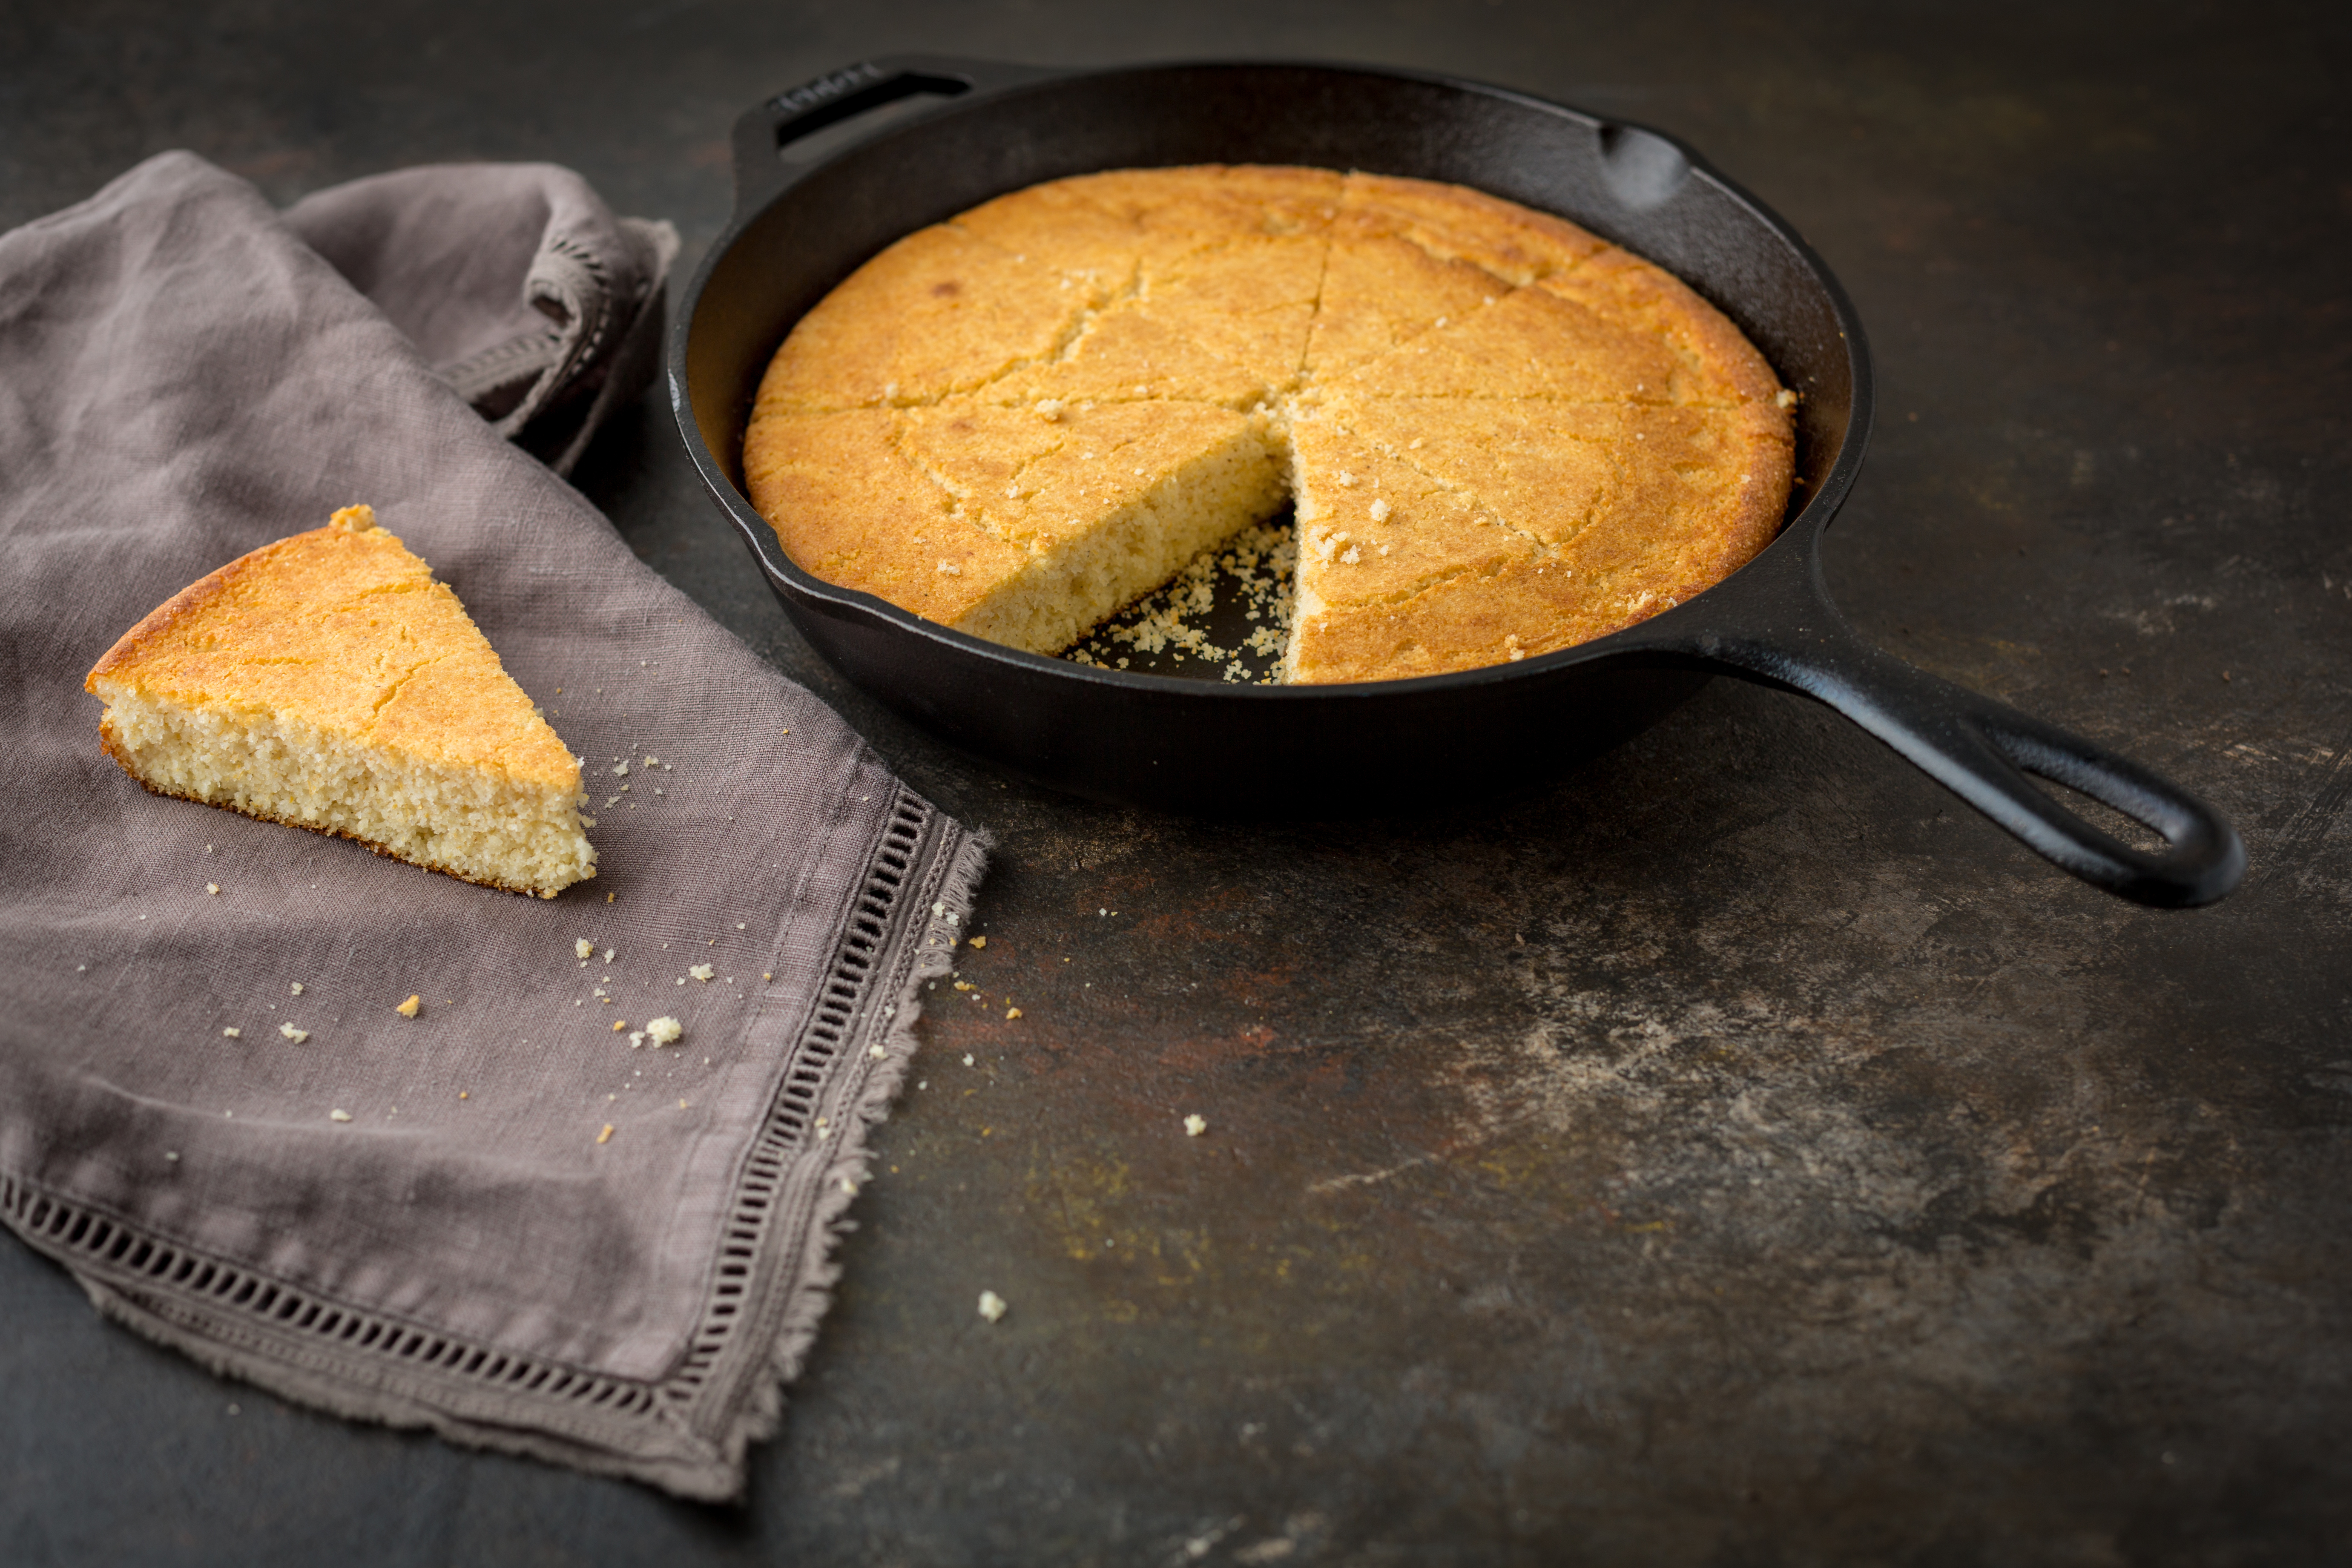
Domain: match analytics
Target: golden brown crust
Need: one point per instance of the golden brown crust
(1529, 436)
(868, 516)
(345, 628)
(1514, 244)
(159, 625)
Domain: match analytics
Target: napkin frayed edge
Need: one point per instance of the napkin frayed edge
(705, 1414)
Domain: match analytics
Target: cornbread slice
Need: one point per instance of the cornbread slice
(1530, 342)
(1250, 301)
(875, 518)
(1380, 290)
(1395, 567)
(1125, 356)
(1106, 502)
(326, 681)
(1504, 435)
(1516, 245)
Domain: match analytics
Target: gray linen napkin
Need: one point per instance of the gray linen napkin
(184, 378)
(441, 250)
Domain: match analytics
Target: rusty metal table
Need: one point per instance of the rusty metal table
(1731, 1153)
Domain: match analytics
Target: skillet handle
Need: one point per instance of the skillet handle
(1982, 750)
(765, 131)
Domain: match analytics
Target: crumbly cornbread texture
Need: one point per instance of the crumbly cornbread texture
(1504, 435)
(326, 681)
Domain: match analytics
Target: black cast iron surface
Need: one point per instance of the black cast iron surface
(1732, 1153)
(803, 220)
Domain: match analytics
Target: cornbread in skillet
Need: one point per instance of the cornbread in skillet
(326, 681)
(1503, 435)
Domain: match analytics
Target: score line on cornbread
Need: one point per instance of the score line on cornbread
(326, 681)
(1502, 435)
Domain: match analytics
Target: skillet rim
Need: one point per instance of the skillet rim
(1671, 637)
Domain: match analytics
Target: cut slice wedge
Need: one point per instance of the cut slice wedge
(326, 681)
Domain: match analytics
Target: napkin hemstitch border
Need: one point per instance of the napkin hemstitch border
(689, 1431)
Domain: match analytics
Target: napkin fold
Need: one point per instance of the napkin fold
(499, 1219)
(439, 250)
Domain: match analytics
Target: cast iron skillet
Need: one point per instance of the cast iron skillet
(828, 174)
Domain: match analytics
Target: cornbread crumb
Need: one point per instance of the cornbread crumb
(979, 941)
(234, 1033)
(992, 1306)
(410, 1008)
(1380, 509)
(1012, 1011)
(581, 949)
(338, 1116)
(298, 988)
(665, 1031)
(619, 1024)
(212, 888)
(293, 1034)
(1194, 1125)
(606, 1135)
(700, 972)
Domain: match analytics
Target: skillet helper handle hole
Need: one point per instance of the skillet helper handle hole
(1983, 752)
(804, 124)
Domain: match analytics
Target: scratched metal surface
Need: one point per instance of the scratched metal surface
(1734, 1153)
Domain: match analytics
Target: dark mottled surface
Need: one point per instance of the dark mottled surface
(1733, 1154)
